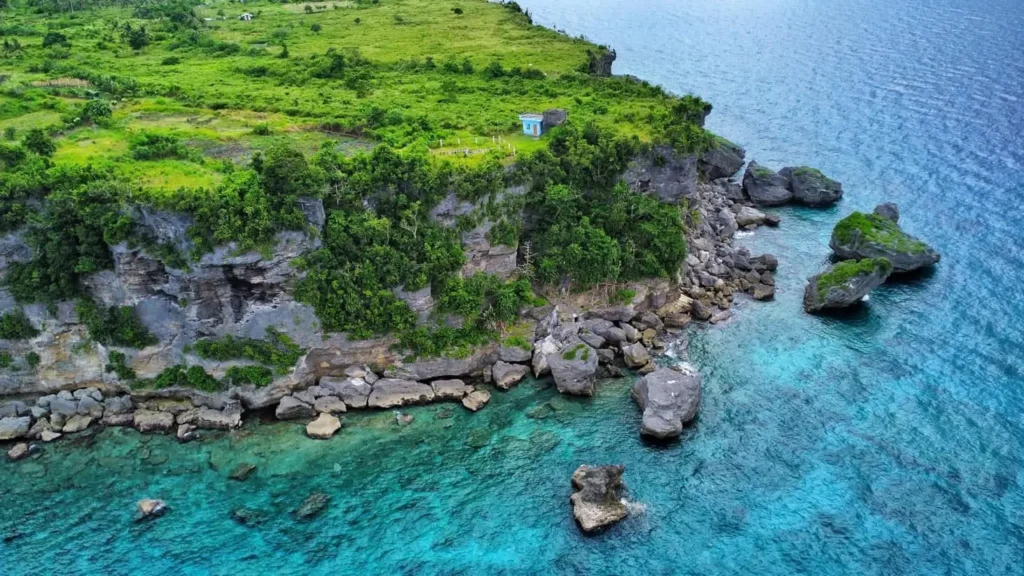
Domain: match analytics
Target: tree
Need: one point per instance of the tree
(39, 142)
(457, 11)
(315, 28)
(55, 39)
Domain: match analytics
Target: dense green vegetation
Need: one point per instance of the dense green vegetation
(116, 325)
(15, 325)
(277, 351)
(843, 272)
(878, 230)
(380, 109)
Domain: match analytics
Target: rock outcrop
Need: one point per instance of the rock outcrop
(845, 284)
(721, 161)
(669, 398)
(811, 187)
(663, 174)
(765, 187)
(860, 236)
(597, 498)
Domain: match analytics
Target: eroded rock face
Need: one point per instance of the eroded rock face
(722, 161)
(845, 284)
(765, 187)
(597, 497)
(392, 392)
(669, 399)
(663, 174)
(860, 236)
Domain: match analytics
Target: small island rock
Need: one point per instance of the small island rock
(860, 236)
(669, 399)
(811, 187)
(597, 500)
(845, 284)
(149, 508)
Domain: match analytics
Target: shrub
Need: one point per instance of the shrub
(116, 325)
(117, 364)
(152, 146)
(10, 133)
(15, 325)
(315, 28)
(276, 351)
(39, 142)
(55, 39)
(32, 359)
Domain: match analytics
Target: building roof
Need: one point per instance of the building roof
(531, 117)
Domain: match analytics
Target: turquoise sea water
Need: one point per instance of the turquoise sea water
(886, 441)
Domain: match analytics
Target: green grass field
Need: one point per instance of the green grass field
(223, 88)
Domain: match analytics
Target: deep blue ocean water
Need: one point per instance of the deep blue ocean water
(887, 441)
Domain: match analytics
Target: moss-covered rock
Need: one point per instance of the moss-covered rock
(765, 187)
(845, 284)
(811, 187)
(862, 235)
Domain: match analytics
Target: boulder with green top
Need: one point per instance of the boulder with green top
(574, 368)
(845, 284)
(860, 236)
(811, 187)
(765, 187)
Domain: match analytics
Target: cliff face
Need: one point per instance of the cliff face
(243, 294)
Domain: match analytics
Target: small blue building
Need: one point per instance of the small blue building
(533, 124)
(537, 124)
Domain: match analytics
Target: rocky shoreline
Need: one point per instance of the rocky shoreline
(574, 343)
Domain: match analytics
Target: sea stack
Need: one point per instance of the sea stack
(878, 235)
(597, 497)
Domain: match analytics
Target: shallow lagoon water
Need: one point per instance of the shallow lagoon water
(885, 441)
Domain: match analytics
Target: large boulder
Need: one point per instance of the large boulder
(765, 187)
(76, 423)
(747, 216)
(152, 421)
(226, 419)
(515, 354)
(323, 427)
(452, 389)
(845, 284)
(507, 375)
(476, 400)
(722, 160)
(635, 355)
(860, 236)
(669, 398)
(811, 187)
(541, 350)
(12, 428)
(354, 392)
(392, 392)
(574, 368)
(291, 408)
(597, 497)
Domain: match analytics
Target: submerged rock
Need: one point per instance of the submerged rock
(476, 400)
(845, 284)
(860, 236)
(323, 427)
(597, 500)
(242, 472)
(312, 506)
(17, 452)
(765, 187)
(146, 509)
(669, 398)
